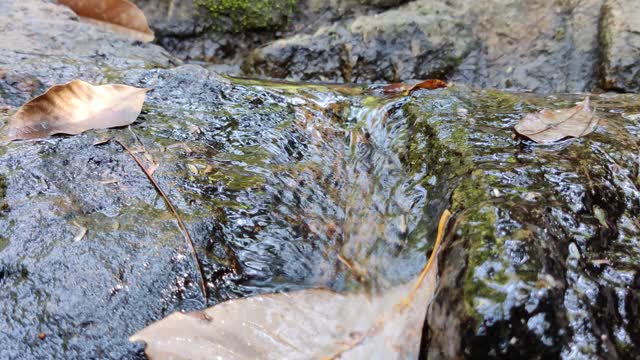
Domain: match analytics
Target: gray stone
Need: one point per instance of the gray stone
(419, 40)
(620, 38)
(539, 45)
(536, 45)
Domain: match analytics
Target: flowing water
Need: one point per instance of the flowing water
(285, 187)
(354, 208)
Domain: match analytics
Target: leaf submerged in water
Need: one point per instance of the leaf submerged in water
(548, 126)
(76, 107)
(307, 324)
(118, 15)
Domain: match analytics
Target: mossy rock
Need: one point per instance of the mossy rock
(245, 15)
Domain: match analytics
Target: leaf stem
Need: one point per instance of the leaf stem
(181, 224)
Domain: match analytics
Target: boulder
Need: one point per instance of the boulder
(542, 258)
(534, 46)
(421, 40)
(620, 39)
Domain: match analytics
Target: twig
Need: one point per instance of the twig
(185, 232)
(359, 275)
(170, 11)
(444, 219)
(154, 164)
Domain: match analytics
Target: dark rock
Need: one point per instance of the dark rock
(419, 41)
(531, 276)
(620, 37)
(502, 44)
(175, 18)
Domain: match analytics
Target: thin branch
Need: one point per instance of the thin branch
(185, 232)
(358, 274)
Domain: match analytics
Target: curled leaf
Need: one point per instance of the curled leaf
(407, 89)
(307, 324)
(76, 107)
(430, 84)
(118, 15)
(395, 88)
(548, 126)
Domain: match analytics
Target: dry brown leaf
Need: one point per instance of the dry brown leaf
(307, 324)
(407, 89)
(118, 15)
(548, 126)
(395, 88)
(76, 107)
(430, 84)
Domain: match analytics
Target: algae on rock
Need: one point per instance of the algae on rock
(251, 15)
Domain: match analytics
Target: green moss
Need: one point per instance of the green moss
(444, 157)
(3, 187)
(3, 242)
(470, 192)
(439, 147)
(560, 34)
(250, 14)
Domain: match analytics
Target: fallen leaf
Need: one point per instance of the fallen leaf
(407, 89)
(307, 324)
(395, 88)
(76, 107)
(431, 84)
(548, 126)
(118, 15)
(80, 235)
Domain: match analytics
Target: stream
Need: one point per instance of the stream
(293, 186)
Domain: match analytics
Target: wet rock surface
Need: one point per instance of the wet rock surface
(542, 260)
(274, 181)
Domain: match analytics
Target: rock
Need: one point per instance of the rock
(523, 276)
(537, 45)
(58, 48)
(175, 18)
(192, 17)
(193, 33)
(478, 43)
(420, 40)
(620, 38)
